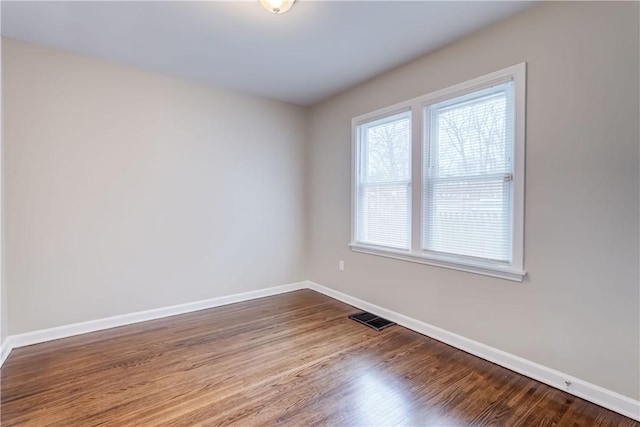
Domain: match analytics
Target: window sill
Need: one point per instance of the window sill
(461, 265)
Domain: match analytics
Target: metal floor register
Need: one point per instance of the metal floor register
(371, 320)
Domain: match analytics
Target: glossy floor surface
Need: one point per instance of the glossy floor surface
(292, 359)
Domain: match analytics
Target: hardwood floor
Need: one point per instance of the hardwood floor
(291, 359)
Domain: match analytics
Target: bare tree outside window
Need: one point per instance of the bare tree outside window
(471, 138)
(388, 149)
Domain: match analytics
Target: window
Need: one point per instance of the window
(384, 182)
(440, 179)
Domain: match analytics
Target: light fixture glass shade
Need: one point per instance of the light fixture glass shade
(277, 6)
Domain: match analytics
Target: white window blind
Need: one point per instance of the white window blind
(383, 182)
(468, 175)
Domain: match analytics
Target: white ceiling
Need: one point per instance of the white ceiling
(315, 50)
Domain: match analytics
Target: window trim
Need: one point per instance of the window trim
(513, 271)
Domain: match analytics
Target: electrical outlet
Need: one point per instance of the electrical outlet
(341, 265)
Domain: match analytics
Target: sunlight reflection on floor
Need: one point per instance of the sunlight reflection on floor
(380, 402)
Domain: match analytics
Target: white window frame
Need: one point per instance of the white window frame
(512, 271)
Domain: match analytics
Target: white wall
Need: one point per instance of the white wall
(578, 311)
(127, 190)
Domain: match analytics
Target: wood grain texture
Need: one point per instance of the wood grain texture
(291, 359)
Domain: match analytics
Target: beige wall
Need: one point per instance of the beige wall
(578, 311)
(127, 190)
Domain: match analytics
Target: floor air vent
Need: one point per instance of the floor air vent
(371, 320)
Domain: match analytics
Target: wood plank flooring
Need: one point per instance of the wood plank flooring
(292, 359)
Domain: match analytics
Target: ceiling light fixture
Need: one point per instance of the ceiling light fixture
(277, 6)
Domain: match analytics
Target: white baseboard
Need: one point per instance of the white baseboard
(36, 337)
(4, 351)
(583, 389)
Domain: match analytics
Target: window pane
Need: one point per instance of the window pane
(469, 136)
(384, 218)
(387, 148)
(383, 182)
(469, 218)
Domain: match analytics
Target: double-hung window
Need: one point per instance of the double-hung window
(440, 179)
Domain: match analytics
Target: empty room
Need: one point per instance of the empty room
(328, 213)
